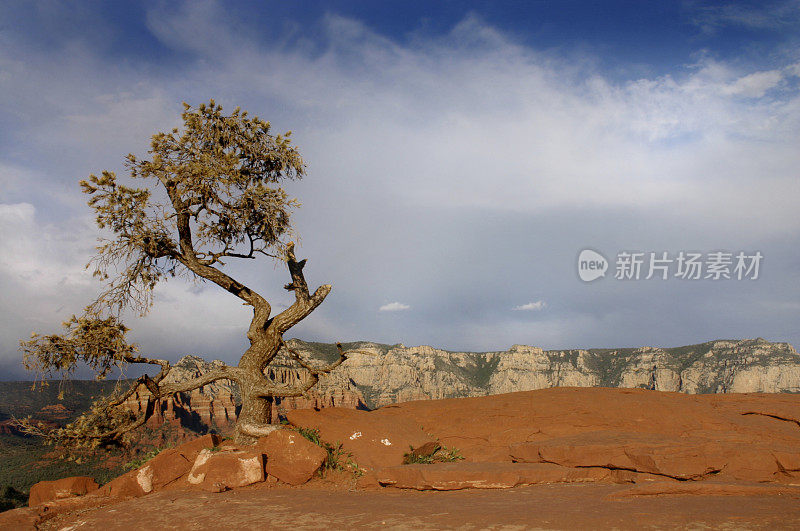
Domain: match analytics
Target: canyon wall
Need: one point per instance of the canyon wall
(386, 374)
(376, 375)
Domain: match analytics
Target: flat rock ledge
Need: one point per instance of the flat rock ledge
(460, 475)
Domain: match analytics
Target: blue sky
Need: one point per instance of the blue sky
(460, 156)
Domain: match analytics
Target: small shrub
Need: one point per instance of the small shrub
(312, 434)
(441, 455)
(449, 454)
(138, 462)
(337, 459)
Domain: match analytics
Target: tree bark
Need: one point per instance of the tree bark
(255, 418)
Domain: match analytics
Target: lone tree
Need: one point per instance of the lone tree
(211, 194)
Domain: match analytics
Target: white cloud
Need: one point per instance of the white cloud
(531, 306)
(764, 15)
(551, 132)
(394, 307)
(754, 85)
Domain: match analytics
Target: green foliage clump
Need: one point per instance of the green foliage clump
(337, 459)
(139, 461)
(311, 434)
(99, 343)
(442, 455)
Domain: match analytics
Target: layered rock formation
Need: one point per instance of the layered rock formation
(210, 406)
(386, 374)
(375, 375)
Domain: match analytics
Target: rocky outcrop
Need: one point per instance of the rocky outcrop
(212, 406)
(291, 457)
(164, 470)
(228, 469)
(46, 491)
(570, 434)
(661, 443)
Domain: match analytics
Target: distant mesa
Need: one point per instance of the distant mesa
(386, 374)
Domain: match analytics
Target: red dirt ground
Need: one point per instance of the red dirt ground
(557, 506)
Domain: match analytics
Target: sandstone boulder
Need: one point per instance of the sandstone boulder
(46, 491)
(192, 448)
(128, 485)
(291, 457)
(227, 469)
(162, 471)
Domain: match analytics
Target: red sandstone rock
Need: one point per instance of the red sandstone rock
(128, 485)
(563, 434)
(54, 411)
(752, 437)
(46, 491)
(673, 457)
(30, 518)
(682, 458)
(376, 440)
(163, 471)
(195, 408)
(788, 461)
(290, 456)
(190, 449)
(638, 434)
(165, 468)
(221, 470)
(22, 519)
(554, 506)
